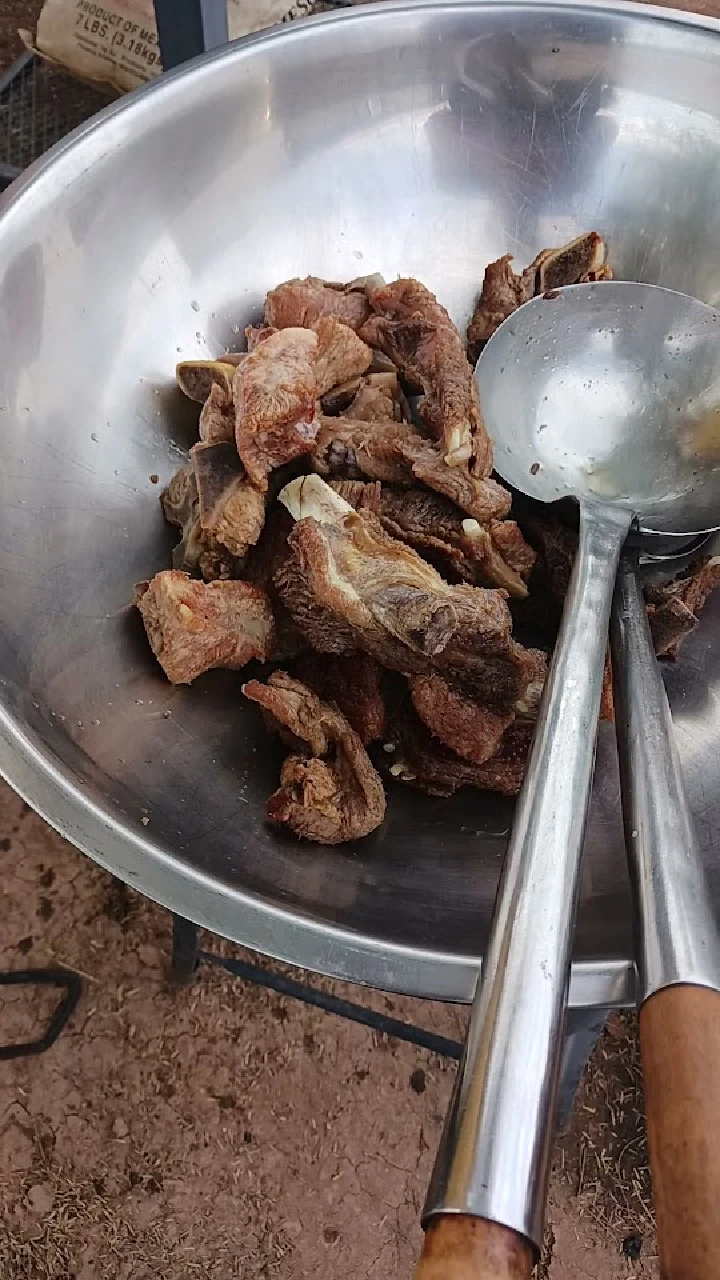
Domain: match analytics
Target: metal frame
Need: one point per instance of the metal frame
(187, 28)
(65, 980)
(582, 1027)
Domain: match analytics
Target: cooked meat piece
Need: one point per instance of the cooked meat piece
(555, 544)
(386, 599)
(352, 684)
(378, 399)
(264, 560)
(228, 506)
(319, 627)
(271, 549)
(232, 357)
(673, 609)
(361, 494)
(512, 681)
(432, 356)
(337, 399)
(217, 417)
(482, 498)
(332, 794)
(340, 354)
(275, 394)
(469, 728)
(353, 450)
(460, 548)
(504, 772)
(509, 542)
(196, 378)
(257, 333)
(408, 299)
(193, 626)
(421, 760)
(180, 497)
(580, 260)
(670, 622)
(392, 452)
(533, 664)
(302, 303)
(198, 551)
(503, 291)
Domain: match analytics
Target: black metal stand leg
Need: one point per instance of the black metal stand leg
(582, 1031)
(65, 980)
(187, 28)
(184, 951)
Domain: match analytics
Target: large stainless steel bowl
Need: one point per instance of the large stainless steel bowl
(419, 139)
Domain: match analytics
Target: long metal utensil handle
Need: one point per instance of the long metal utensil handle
(494, 1158)
(678, 953)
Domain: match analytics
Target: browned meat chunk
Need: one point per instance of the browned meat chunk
(180, 496)
(421, 760)
(350, 683)
(580, 260)
(339, 398)
(408, 299)
(217, 417)
(431, 356)
(378, 399)
(229, 508)
(331, 793)
(392, 452)
(460, 548)
(340, 354)
(474, 726)
(509, 542)
(275, 394)
(194, 626)
(384, 596)
(196, 378)
(198, 551)
(673, 609)
(469, 728)
(257, 333)
(503, 291)
(481, 497)
(264, 561)
(301, 303)
(351, 450)
(555, 544)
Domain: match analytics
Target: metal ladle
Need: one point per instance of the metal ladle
(598, 392)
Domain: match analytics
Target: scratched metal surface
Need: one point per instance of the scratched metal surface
(418, 139)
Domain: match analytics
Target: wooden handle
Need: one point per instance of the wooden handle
(680, 1049)
(464, 1248)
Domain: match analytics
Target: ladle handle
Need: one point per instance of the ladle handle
(678, 953)
(457, 1247)
(494, 1158)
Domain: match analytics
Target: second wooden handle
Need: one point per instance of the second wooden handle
(680, 1048)
(463, 1248)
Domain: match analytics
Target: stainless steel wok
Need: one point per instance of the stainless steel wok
(414, 138)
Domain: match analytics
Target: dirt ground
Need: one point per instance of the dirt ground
(224, 1131)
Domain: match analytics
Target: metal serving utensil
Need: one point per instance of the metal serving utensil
(677, 948)
(598, 392)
